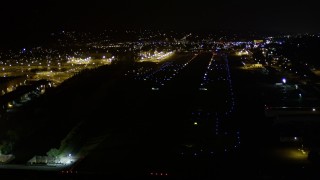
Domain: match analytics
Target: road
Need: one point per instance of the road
(33, 167)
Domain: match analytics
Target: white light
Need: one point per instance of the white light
(314, 109)
(284, 80)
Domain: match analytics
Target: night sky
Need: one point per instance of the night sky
(19, 18)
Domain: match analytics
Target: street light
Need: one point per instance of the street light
(284, 80)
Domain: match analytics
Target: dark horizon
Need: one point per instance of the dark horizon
(23, 21)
